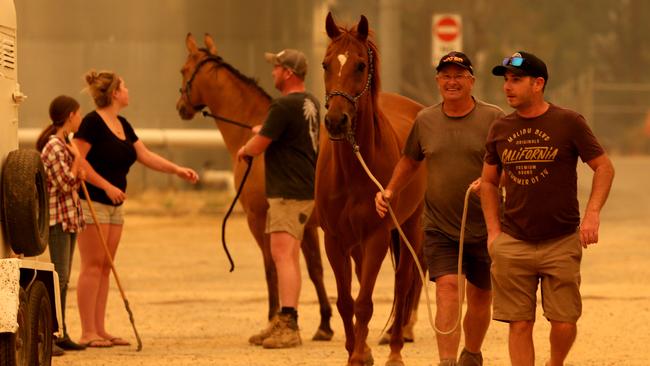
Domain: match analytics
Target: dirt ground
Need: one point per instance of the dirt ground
(189, 310)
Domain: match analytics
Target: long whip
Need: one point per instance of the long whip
(110, 260)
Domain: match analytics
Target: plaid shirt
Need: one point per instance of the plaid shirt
(65, 207)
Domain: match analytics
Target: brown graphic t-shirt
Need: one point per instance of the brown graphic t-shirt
(539, 157)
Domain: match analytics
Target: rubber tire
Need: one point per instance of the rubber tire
(14, 346)
(25, 202)
(40, 326)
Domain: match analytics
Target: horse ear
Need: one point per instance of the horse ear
(333, 30)
(362, 28)
(190, 43)
(209, 44)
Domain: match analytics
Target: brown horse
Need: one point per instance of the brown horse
(379, 124)
(209, 80)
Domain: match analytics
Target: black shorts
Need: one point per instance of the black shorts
(441, 257)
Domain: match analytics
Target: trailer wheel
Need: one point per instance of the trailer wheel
(14, 346)
(25, 202)
(40, 326)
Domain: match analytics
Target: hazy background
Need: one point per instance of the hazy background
(597, 52)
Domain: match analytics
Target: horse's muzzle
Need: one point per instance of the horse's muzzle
(337, 126)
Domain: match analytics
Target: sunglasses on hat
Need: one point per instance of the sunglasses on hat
(515, 61)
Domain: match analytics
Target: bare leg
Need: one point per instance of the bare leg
(112, 241)
(520, 343)
(446, 316)
(90, 290)
(285, 249)
(477, 317)
(562, 337)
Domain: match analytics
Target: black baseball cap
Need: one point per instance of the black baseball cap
(523, 64)
(456, 58)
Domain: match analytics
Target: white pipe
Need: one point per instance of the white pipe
(152, 137)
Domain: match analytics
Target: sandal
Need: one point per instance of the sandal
(117, 341)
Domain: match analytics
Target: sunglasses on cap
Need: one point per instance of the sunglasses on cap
(515, 61)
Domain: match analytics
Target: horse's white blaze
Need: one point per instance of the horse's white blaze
(343, 58)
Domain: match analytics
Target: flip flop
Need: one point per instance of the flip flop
(98, 343)
(117, 341)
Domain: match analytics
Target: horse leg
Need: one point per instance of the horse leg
(405, 288)
(311, 252)
(257, 223)
(374, 251)
(341, 266)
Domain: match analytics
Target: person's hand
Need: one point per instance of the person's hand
(241, 153)
(256, 129)
(115, 194)
(73, 149)
(81, 174)
(476, 186)
(589, 229)
(381, 202)
(492, 236)
(187, 174)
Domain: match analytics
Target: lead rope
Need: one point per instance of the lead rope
(355, 148)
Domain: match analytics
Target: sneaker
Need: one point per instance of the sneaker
(468, 358)
(257, 339)
(285, 334)
(56, 350)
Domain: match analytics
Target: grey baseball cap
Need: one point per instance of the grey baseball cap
(293, 60)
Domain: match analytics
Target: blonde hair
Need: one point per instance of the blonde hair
(101, 85)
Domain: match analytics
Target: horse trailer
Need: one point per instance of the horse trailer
(30, 309)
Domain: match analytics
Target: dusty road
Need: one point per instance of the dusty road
(190, 310)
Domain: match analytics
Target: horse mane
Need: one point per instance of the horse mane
(350, 35)
(220, 62)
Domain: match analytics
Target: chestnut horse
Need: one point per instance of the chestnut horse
(209, 80)
(345, 194)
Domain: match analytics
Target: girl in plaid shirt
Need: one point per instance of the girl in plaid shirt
(61, 162)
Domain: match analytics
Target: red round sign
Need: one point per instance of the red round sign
(447, 29)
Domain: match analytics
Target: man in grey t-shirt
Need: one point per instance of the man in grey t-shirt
(450, 138)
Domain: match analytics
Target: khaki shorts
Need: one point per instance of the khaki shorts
(106, 214)
(288, 215)
(519, 266)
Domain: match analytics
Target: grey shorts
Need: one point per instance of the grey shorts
(520, 267)
(288, 215)
(106, 214)
(441, 256)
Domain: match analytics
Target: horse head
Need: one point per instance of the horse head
(351, 72)
(191, 99)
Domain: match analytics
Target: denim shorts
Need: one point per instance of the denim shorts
(106, 214)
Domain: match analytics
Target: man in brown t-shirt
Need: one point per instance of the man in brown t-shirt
(538, 240)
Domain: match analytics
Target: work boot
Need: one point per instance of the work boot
(468, 358)
(285, 334)
(257, 339)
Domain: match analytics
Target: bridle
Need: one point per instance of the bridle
(347, 96)
(353, 99)
(188, 85)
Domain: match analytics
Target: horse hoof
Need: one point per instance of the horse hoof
(385, 339)
(323, 335)
(394, 363)
(369, 360)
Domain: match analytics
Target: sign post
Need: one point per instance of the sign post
(447, 35)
